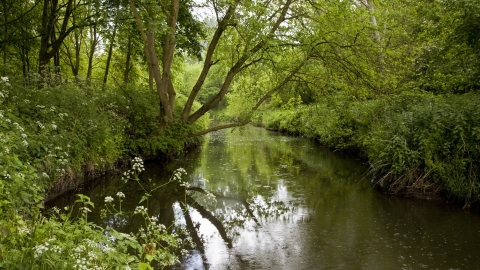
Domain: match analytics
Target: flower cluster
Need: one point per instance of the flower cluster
(136, 168)
(86, 255)
(177, 175)
(138, 164)
(49, 245)
(5, 81)
(23, 230)
(140, 210)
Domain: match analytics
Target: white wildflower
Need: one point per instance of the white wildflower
(108, 199)
(120, 194)
(39, 249)
(140, 209)
(23, 230)
(85, 210)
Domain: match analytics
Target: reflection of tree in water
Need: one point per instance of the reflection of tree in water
(174, 205)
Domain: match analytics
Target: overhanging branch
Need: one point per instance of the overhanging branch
(208, 130)
(257, 105)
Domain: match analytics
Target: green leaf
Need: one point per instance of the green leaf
(144, 266)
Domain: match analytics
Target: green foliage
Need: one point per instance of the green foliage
(144, 135)
(447, 57)
(58, 129)
(407, 137)
(59, 239)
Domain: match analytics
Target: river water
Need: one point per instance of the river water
(315, 210)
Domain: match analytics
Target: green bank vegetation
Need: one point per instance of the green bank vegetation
(404, 96)
(86, 83)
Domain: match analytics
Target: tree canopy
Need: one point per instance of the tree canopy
(252, 47)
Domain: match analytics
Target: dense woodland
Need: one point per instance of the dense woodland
(87, 83)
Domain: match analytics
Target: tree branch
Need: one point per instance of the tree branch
(22, 15)
(241, 201)
(207, 64)
(215, 222)
(257, 105)
(237, 67)
(208, 130)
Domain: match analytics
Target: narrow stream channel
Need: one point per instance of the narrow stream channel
(315, 210)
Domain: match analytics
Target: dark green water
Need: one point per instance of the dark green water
(315, 208)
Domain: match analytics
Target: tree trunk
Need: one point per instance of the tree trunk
(110, 52)
(222, 25)
(47, 25)
(5, 36)
(93, 46)
(162, 79)
(237, 67)
(378, 39)
(24, 62)
(56, 56)
(166, 86)
(78, 47)
(128, 60)
(49, 39)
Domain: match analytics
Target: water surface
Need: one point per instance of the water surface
(315, 210)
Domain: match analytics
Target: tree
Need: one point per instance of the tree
(56, 25)
(250, 28)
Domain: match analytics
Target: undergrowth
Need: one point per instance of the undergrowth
(415, 142)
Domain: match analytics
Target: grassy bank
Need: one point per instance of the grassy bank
(417, 143)
(53, 134)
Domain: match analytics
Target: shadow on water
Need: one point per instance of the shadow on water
(286, 203)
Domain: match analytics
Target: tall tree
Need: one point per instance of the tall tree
(56, 26)
(250, 27)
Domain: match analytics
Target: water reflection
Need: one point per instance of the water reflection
(286, 203)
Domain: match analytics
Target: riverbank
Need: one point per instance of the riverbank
(58, 134)
(416, 144)
(55, 135)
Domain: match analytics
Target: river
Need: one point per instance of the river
(315, 210)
